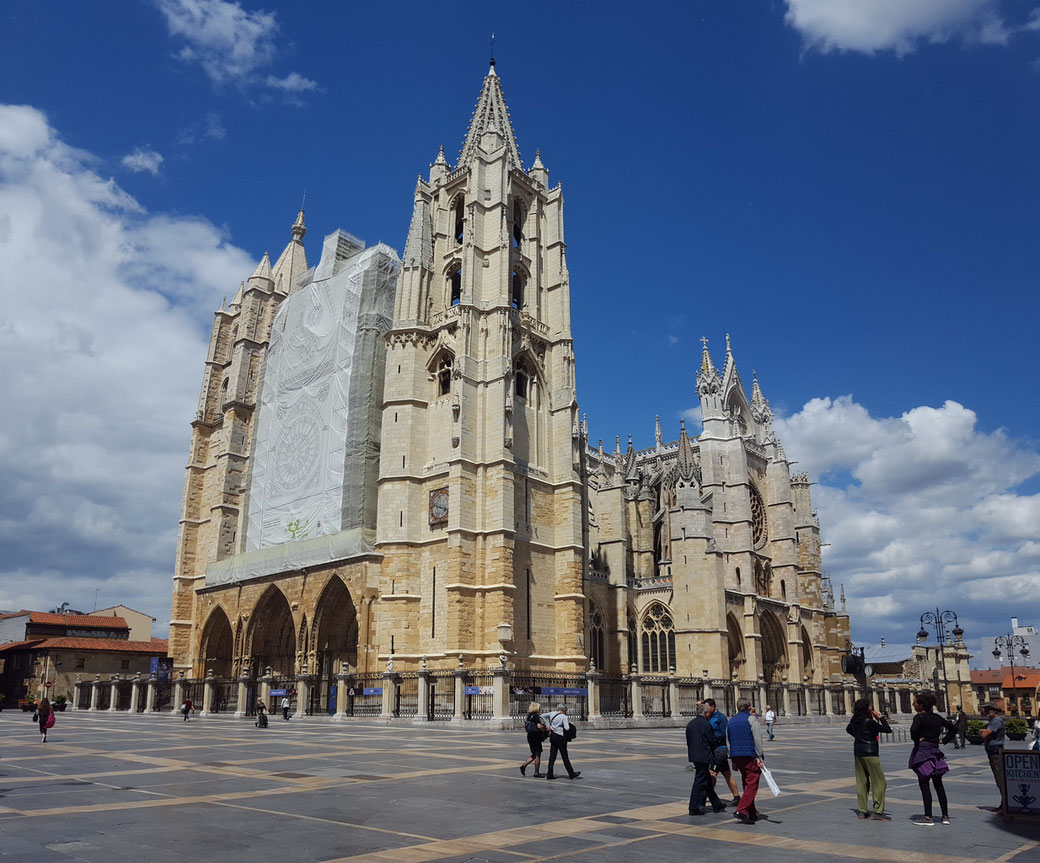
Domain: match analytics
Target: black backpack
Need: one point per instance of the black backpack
(570, 732)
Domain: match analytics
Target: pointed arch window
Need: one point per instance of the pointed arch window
(658, 637)
(458, 218)
(521, 378)
(519, 215)
(633, 642)
(596, 636)
(455, 284)
(224, 392)
(516, 290)
(444, 369)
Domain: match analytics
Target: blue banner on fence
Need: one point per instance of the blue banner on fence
(479, 690)
(372, 690)
(277, 692)
(564, 690)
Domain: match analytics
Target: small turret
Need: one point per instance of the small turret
(439, 168)
(538, 173)
(292, 263)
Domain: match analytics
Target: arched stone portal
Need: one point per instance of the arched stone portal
(774, 649)
(735, 642)
(216, 651)
(335, 633)
(807, 656)
(272, 637)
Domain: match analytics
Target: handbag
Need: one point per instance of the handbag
(770, 781)
(49, 723)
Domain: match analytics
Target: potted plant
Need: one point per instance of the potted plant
(974, 734)
(1015, 728)
(59, 703)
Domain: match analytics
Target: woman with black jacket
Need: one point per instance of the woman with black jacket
(865, 726)
(926, 758)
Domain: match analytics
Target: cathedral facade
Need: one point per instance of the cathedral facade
(388, 473)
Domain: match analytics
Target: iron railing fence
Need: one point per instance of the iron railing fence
(551, 691)
(440, 703)
(615, 697)
(655, 695)
(722, 692)
(690, 692)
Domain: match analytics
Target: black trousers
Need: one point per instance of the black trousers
(703, 787)
(557, 744)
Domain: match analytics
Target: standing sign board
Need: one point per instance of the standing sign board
(1022, 781)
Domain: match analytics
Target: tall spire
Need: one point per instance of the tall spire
(687, 465)
(490, 116)
(292, 263)
(707, 366)
(658, 437)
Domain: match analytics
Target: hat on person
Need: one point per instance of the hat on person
(989, 705)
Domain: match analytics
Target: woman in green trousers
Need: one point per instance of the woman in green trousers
(865, 726)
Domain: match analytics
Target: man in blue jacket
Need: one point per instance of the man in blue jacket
(745, 748)
(720, 763)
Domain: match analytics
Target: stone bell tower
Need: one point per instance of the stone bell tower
(480, 500)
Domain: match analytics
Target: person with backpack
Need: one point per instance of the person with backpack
(536, 730)
(45, 716)
(560, 732)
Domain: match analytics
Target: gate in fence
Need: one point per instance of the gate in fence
(838, 701)
(550, 691)
(440, 703)
(615, 697)
(775, 698)
(722, 690)
(478, 695)
(225, 694)
(655, 696)
(406, 694)
(817, 699)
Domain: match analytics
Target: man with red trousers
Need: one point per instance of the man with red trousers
(745, 750)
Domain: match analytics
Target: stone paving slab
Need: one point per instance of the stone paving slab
(114, 787)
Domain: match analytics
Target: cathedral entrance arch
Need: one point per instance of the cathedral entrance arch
(774, 649)
(272, 636)
(335, 640)
(216, 649)
(807, 656)
(735, 642)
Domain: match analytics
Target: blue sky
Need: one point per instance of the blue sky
(849, 188)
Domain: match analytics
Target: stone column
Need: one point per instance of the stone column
(706, 688)
(387, 710)
(304, 685)
(828, 700)
(135, 693)
(592, 683)
(341, 694)
(673, 693)
(265, 691)
(422, 711)
(77, 698)
(208, 688)
(849, 700)
(178, 693)
(735, 689)
(149, 706)
(874, 700)
(95, 692)
(787, 699)
(113, 695)
(637, 695)
(762, 696)
(243, 696)
(500, 698)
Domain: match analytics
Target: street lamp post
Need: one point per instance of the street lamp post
(1009, 642)
(938, 620)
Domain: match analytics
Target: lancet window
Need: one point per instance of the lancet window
(516, 290)
(455, 284)
(444, 368)
(596, 636)
(458, 213)
(658, 639)
(519, 214)
(521, 378)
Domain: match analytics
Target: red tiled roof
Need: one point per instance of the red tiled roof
(1025, 678)
(8, 616)
(110, 645)
(88, 621)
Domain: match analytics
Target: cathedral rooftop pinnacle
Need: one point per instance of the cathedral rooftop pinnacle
(263, 269)
(490, 115)
(707, 366)
(299, 229)
(687, 465)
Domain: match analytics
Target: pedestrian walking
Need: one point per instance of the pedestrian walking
(560, 733)
(865, 726)
(700, 746)
(993, 739)
(536, 730)
(927, 759)
(745, 748)
(770, 718)
(44, 715)
(285, 707)
(720, 757)
(186, 708)
(960, 719)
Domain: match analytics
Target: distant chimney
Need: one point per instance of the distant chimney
(882, 641)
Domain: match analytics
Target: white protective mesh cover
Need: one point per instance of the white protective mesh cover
(315, 462)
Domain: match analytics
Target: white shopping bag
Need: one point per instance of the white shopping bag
(770, 781)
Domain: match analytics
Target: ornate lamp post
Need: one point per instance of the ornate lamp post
(938, 620)
(1009, 642)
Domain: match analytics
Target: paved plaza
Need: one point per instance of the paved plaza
(122, 788)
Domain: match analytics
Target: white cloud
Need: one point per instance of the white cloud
(870, 26)
(209, 128)
(233, 46)
(294, 83)
(143, 160)
(103, 352)
(921, 510)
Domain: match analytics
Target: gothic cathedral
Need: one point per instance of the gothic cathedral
(388, 469)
